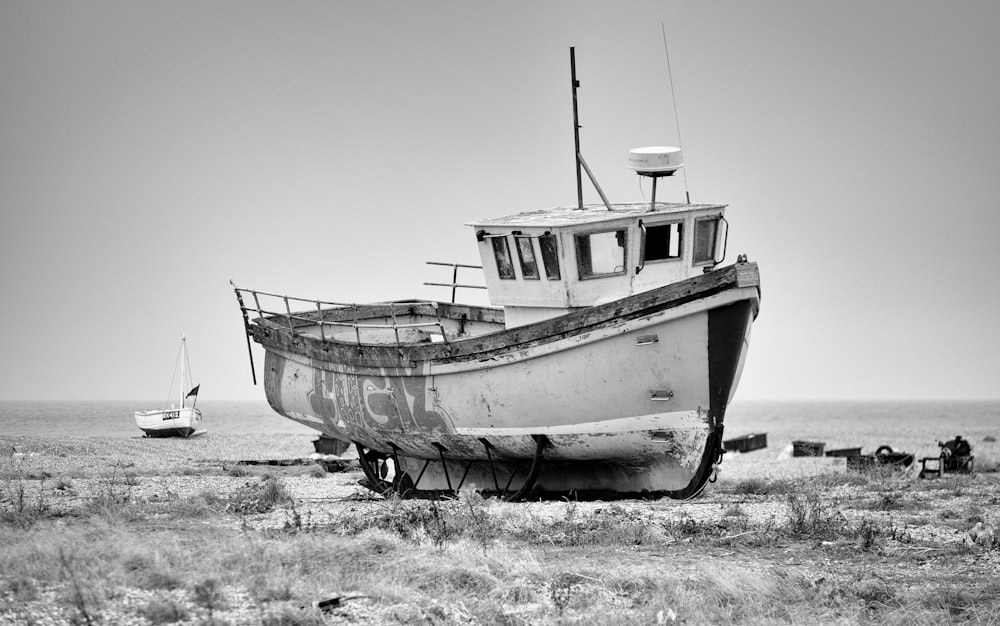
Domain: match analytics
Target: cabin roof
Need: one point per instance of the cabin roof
(591, 214)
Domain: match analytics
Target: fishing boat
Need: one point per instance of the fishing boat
(603, 368)
(180, 420)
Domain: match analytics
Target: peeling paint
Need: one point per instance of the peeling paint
(591, 400)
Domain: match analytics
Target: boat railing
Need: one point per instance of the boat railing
(454, 284)
(277, 308)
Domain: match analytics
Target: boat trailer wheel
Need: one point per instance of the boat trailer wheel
(376, 467)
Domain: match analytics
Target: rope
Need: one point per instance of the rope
(673, 98)
(173, 378)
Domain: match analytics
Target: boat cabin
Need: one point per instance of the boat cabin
(542, 264)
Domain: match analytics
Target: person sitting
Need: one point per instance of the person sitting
(955, 453)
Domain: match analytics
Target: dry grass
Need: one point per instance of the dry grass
(830, 548)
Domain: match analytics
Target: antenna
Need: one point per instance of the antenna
(576, 140)
(576, 129)
(673, 97)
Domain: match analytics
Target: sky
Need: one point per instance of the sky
(150, 152)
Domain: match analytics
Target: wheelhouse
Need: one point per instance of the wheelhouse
(543, 264)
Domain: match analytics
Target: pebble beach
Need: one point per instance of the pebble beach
(69, 473)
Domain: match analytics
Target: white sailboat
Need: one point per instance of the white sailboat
(179, 420)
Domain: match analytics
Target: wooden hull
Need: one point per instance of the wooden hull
(626, 398)
(169, 422)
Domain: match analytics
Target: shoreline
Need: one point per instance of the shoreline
(86, 455)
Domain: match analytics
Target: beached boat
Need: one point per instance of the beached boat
(603, 369)
(179, 420)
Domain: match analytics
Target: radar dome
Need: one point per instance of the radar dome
(655, 160)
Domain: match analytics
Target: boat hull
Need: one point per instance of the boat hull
(183, 422)
(625, 403)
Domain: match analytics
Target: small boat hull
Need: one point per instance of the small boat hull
(183, 422)
(627, 399)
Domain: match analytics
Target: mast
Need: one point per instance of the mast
(580, 162)
(576, 129)
(183, 384)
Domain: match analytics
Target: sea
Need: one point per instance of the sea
(904, 426)
(114, 418)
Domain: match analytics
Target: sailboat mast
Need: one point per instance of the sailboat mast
(183, 361)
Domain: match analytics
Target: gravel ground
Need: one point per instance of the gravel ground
(72, 472)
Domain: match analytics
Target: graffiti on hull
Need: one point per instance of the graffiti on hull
(360, 404)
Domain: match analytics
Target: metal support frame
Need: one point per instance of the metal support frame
(370, 460)
(489, 457)
(444, 464)
(421, 474)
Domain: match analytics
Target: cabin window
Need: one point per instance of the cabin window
(705, 235)
(663, 242)
(526, 254)
(550, 256)
(601, 254)
(505, 267)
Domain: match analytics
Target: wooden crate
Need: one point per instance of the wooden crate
(807, 448)
(746, 443)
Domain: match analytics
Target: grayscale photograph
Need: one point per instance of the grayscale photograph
(528, 313)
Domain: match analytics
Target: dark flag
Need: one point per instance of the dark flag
(193, 392)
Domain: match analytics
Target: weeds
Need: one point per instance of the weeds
(293, 616)
(22, 588)
(611, 525)
(408, 519)
(734, 510)
(810, 516)
(164, 611)
(867, 532)
(238, 471)
(113, 491)
(258, 497)
(483, 560)
(270, 588)
(969, 602)
(201, 505)
(79, 598)
(437, 521)
(874, 592)
(974, 514)
(19, 509)
(481, 525)
(439, 531)
(151, 572)
(209, 594)
(561, 588)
